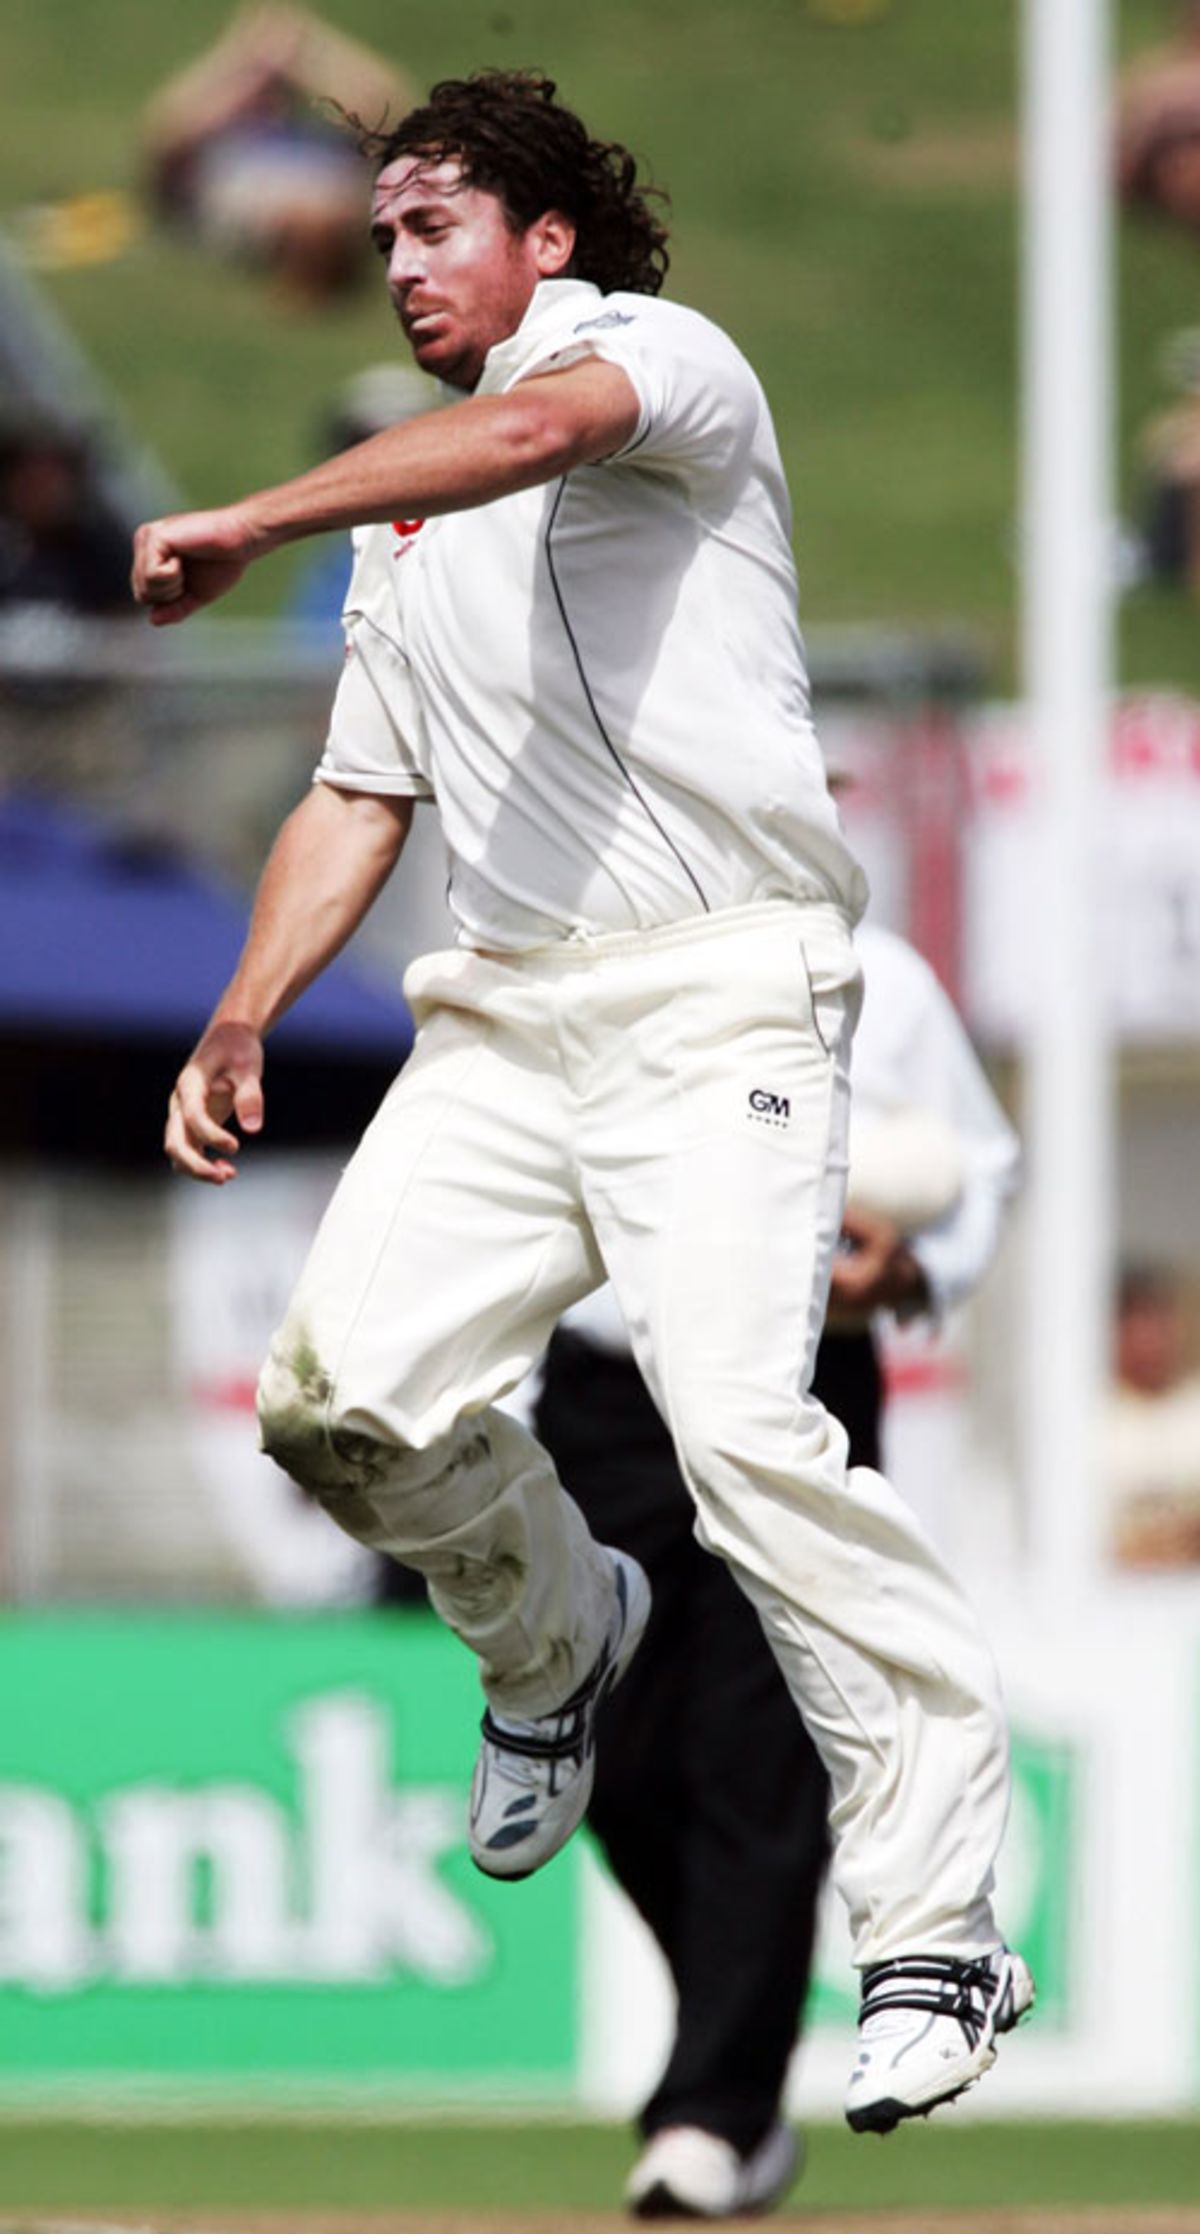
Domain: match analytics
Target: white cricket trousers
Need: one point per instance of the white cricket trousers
(669, 1109)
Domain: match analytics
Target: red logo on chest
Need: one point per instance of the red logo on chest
(405, 528)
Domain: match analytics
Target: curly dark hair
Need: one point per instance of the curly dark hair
(514, 139)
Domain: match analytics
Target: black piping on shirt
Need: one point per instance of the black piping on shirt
(594, 710)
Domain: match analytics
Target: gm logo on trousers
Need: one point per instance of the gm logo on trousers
(768, 1108)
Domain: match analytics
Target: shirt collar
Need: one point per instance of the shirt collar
(552, 300)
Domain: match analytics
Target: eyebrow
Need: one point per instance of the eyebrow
(414, 213)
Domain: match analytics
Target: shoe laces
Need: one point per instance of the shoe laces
(940, 1986)
(527, 1750)
(566, 1733)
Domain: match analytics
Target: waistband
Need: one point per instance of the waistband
(811, 919)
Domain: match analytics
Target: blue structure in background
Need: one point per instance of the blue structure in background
(106, 935)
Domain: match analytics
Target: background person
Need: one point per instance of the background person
(635, 1060)
(59, 545)
(1158, 126)
(244, 148)
(1170, 459)
(1152, 1424)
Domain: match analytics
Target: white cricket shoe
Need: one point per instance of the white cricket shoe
(927, 2030)
(533, 1780)
(684, 2172)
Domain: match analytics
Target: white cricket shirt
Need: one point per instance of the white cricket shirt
(601, 681)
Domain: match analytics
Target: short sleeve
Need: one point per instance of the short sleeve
(700, 403)
(366, 748)
(374, 730)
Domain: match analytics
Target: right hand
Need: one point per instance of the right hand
(189, 560)
(221, 1080)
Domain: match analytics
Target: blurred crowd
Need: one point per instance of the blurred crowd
(60, 544)
(1158, 175)
(247, 151)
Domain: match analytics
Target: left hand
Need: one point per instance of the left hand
(219, 1086)
(878, 1272)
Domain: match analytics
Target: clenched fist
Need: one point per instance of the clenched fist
(190, 559)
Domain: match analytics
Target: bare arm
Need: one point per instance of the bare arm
(445, 461)
(330, 859)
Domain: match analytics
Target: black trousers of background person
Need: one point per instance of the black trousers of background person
(710, 1800)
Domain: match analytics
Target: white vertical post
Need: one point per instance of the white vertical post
(1067, 651)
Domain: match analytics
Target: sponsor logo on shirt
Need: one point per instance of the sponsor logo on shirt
(406, 529)
(609, 318)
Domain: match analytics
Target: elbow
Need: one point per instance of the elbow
(542, 440)
(378, 824)
(546, 432)
(393, 825)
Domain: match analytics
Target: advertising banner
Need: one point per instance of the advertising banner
(232, 1853)
(233, 1870)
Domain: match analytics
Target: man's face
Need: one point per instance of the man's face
(459, 278)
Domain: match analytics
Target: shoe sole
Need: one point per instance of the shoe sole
(637, 1614)
(886, 2114)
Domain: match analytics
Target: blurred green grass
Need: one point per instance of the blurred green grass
(843, 183)
(509, 2165)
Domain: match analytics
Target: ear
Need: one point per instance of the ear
(552, 239)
